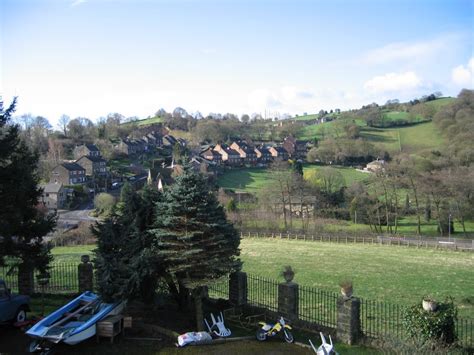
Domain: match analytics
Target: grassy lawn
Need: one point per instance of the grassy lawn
(350, 175)
(71, 254)
(392, 274)
(246, 179)
(253, 179)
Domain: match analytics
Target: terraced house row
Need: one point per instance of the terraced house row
(246, 153)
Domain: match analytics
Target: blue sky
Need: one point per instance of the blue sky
(92, 57)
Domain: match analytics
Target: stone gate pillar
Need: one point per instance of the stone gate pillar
(85, 274)
(348, 320)
(238, 288)
(288, 300)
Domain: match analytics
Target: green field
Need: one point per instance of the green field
(146, 121)
(441, 102)
(392, 274)
(411, 139)
(252, 179)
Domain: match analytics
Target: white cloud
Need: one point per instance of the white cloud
(407, 50)
(393, 82)
(464, 75)
(77, 2)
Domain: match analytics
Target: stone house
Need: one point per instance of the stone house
(53, 196)
(279, 152)
(263, 154)
(68, 174)
(94, 166)
(212, 155)
(247, 154)
(294, 148)
(131, 147)
(229, 155)
(86, 150)
(375, 166)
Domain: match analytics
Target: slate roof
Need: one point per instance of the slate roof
(51, 187)
(92, 159)
(72, 166)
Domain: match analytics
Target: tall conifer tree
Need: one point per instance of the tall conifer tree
(23, 225)
(193, 241)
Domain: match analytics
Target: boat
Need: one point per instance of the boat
(72, 323)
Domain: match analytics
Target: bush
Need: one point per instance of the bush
(437, 326)
(104, 203)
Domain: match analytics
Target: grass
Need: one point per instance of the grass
(315, 131)
(392, 274)
(71, 254)
(386, 273)
(244, 180)
(411, 139)
(441, 102)
(349, 174)
(252, 179)
(146, 121)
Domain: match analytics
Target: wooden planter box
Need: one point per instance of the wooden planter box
(109, 327)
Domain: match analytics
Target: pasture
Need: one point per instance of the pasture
(252, 179)
(411, 139)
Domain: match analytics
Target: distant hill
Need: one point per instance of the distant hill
(146, 121)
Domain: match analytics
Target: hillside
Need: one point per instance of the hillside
(409, 139)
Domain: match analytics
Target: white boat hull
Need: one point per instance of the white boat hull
(77, 338)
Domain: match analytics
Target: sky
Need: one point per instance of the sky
(90, 58)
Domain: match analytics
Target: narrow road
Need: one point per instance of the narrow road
(80, 214)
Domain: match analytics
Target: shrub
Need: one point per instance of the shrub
(437, 326)
(104, 203)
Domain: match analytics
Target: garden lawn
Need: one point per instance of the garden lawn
(393, 274)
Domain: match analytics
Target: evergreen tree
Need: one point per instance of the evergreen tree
(122, 260)
(193, 241)
(111, 259)
(23, 225)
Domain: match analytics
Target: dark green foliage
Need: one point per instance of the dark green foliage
(438, 326)
(428, 210)
(231, 206)
(297, 167)
(192, 236)
(23, 224)
(122, 258)
(111, 262)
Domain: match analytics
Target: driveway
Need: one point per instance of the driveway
(77, 215)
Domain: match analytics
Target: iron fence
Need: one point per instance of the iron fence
(219, 289)
(262, 292)
(317, 306)
(64, 278)
(381, 319)
(465, 332)
(378, 319)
